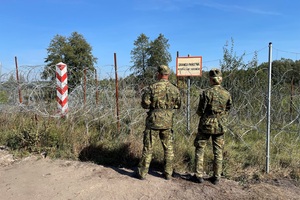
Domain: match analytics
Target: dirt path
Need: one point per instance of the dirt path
(37, 178)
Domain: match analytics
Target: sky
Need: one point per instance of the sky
(192, 27)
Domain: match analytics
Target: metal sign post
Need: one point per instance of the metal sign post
(188, 108)
(188, 66)
(269, 109)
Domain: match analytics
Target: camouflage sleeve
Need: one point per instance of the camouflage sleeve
(177, 100)
(201, 105)
(146, 98)
(228, 104)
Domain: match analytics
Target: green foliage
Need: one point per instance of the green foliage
(92, 135)
(102, 143)
(10, 83)
(146, 56)
(231, 62)
(140, 55)
(3, 97)
(31, 136)
(184, 151)
(73, 51)
(158, 52)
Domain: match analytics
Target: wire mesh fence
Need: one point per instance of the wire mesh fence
(249, 93)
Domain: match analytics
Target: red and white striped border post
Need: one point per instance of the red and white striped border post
(62, 88)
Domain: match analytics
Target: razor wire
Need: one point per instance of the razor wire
(248, 113)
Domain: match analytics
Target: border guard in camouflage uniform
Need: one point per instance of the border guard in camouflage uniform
(214, 105)
(161, 98)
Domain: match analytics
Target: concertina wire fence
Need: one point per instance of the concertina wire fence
(98, 101)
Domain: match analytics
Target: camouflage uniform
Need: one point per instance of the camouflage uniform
(213, 108)
(161, 98)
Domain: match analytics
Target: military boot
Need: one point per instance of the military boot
(214, 180)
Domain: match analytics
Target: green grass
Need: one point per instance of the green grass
(101, 142)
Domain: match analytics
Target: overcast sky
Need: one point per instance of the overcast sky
(194, 27)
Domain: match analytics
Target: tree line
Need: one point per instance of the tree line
(76, 52)
(146, 55)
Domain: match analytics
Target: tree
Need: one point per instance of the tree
(234, 68)
(159, 54)
(73, 51)
(140, 55)
(231, 62)
(146, 56)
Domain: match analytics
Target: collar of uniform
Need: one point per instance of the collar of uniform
(163, 80)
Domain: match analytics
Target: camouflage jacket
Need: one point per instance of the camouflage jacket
(161, 98)
(213, 108)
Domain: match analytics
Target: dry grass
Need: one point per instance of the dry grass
(99, 141)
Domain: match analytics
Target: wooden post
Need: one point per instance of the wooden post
(18, 80)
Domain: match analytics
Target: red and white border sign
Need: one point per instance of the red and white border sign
(189, 66)
(62, 88)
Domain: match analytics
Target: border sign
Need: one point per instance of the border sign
(189, 66)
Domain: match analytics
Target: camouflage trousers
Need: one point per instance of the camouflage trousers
(151, 137)
(200, 144)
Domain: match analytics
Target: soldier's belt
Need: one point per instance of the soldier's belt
(159, 109)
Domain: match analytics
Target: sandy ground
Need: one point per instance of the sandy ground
(39, 178)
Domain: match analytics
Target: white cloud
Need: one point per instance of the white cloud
(234, 8)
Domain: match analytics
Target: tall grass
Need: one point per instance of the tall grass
(91, 132)
(100, 141)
